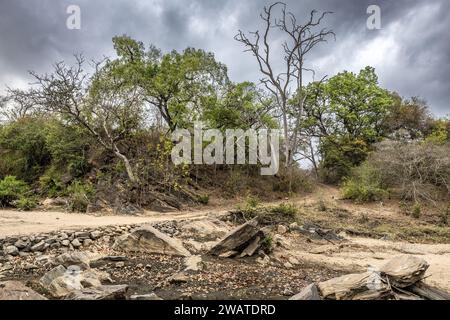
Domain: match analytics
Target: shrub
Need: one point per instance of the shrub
(416, 211)
(285, 209)
(11, 189)
(50, 183)
(80, 195)
(293, 180)
(203, 199)
(25, 203)
(364, 185)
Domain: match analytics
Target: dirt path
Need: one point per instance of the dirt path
(14, 223)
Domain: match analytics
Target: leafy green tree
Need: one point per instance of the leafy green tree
(346, 114)
(175, 83)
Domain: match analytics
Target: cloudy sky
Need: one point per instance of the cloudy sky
(411, 52)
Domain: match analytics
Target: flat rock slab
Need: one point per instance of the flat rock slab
(15, 290)
(149, 240)
(236, 238)
(358, 286)
(404, 270)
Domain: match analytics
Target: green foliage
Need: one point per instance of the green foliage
(23, 148)
(285, 209)
(11, 189)
(80, 195)
(203, 199)
(25, 204)
(251, 202)
(347, 112)
(50, 183)
(439, 134)
(364, 185)
(416, 211)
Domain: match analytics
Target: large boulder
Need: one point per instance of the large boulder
(238, 239)
(15, 290)
(149, 240)
(79, 258)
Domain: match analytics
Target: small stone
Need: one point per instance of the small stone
(149, 296)
(120, 264)
(65, 243)
(293, 260)
(95, 235)
(282, 229)
(76, 243)
(21, 244)
(293, 226)
(87, 242)
(40, 246)
(12, 250)
(288, 265)
(140, 266)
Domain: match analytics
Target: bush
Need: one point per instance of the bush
(25, 204)
(11, 189)
(203, 199)
(418, 171)
(293, 180)
(50, 183)
(80, 195)
(364, 185)
(416, 211)
(285, 209)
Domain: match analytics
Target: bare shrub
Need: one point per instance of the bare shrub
(418, 171)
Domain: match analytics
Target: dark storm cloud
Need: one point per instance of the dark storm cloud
(411, 53)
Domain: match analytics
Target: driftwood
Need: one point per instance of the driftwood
(309, 292)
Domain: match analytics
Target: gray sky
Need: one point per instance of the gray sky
(411, 52)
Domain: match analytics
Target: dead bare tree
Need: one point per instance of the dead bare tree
(300, 39)
(99, 103)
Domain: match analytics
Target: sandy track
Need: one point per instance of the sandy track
(14, 223)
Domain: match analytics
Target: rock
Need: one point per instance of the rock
(79, 258)
(293, 260)
(106, 292)
(21, 244)
(404, 270)
(76, 243)
(87, 242)
(359, 286)
(179, 277)
(193, 263)
(56, 272)
(11, 250)
(149, 296)
(237, 238)
(293, 226)
(82, 234)
(15, 290)
(263, 260)
(64, 285)
(149, 240)
(40, 246)
(120, 264)
(57, 202)
(288, 265)
(310, 292)
(252, 247)
(95, 235)
(106, 259)
(282, 229)
(205, 229)
(65, 243)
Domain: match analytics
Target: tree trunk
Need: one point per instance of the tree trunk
(128, 167)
